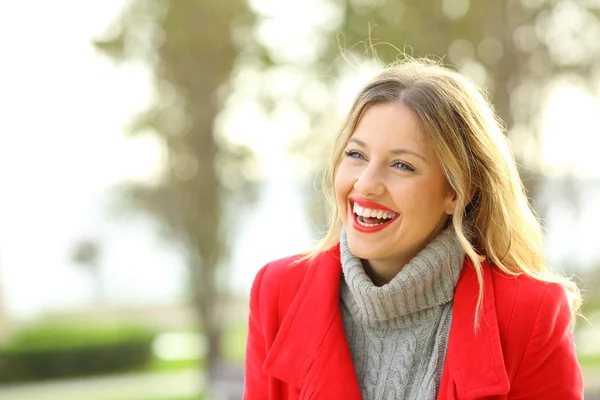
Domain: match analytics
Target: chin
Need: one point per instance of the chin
(362, 250)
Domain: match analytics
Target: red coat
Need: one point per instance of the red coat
(297, 348)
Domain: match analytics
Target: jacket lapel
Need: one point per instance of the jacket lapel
(310, 350)
(474, 360)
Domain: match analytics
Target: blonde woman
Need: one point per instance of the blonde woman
(431, 281)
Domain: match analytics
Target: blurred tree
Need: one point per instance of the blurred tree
(192, 47)
(86, 253)
(515, 48)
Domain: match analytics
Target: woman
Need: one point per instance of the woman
(431, 281)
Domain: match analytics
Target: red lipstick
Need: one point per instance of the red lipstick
(369, 204)
(359, 225)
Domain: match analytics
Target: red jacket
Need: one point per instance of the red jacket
(297, 348)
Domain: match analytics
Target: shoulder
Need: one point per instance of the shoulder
(522, 305)
(534, 316)
(534, 319)
(271, 276)
(511, 292)
(517, 302)
(292, 270)
(524, 298)
(279, 281)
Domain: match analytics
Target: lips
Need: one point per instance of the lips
(369, 216)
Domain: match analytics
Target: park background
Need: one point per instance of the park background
(154, 154)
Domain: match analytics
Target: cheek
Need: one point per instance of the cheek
(422, 198)
(337, 189)
(342, 186)
(342, 183)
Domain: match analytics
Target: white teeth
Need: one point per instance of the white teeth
(372, 213)
(368, 225)
(358, 209)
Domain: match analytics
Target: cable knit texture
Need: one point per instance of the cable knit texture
(398, 333)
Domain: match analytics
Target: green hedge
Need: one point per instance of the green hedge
(60, 351)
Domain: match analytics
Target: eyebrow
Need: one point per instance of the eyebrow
(393, 151)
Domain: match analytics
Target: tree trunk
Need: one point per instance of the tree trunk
(207, 303)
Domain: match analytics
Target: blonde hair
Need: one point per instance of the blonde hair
(492, 207)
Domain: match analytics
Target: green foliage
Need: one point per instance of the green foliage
(514, 48)
(57, 351)
(159, 365)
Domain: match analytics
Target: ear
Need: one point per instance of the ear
(472, 194)
(451, 203)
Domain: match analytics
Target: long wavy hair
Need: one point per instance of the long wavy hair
(493, 218)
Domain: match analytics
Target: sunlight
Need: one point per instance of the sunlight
(570, 142)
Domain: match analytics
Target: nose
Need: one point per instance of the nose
(370, 182)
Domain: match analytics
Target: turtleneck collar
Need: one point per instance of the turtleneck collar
(427, 281)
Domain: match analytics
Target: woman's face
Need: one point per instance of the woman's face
(390, 187)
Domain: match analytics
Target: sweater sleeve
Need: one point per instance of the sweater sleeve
(549, 368)
(256, 385)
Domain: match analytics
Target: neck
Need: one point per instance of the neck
(382, 271)
(428, 279)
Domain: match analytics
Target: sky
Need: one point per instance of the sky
(64, 108)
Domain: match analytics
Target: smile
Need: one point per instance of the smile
(369, 217)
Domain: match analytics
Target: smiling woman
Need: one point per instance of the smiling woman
(431, 281)
(389, 165)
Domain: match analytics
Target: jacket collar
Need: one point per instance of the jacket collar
(310, 350)
(474, 359)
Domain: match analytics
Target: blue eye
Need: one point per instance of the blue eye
(354, 154)
(402, 166)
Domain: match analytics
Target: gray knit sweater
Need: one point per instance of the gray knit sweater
(398, 333)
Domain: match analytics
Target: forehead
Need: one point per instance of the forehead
(391, 124)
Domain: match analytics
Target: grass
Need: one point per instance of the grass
(234, 342)
(233, 347)
(589, 361)
(158, 365)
